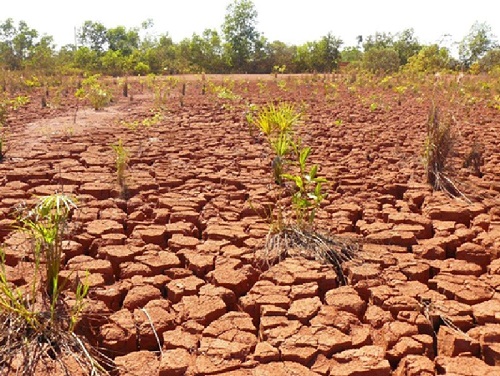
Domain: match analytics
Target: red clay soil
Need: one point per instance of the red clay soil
(180, 252)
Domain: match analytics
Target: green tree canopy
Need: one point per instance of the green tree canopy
(430, 59)
(240, 34)
(94, 36)
(381, 60)
(16, 43)
(476, 43)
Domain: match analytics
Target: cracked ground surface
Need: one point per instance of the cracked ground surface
(177, 287)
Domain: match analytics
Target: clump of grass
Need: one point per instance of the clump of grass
(294, 241)
(438, 148)
(36, 324)
(474, 159)
(2, 148)
(121, 163)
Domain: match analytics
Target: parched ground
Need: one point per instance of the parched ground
(178, 254)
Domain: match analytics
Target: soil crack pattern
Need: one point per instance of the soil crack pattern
(175, 199)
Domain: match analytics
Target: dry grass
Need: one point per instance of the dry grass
(25, 349)
(438, 149)
(293, 241)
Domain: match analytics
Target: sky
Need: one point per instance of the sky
(290, 21)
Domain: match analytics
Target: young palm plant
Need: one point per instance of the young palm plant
(297, 237)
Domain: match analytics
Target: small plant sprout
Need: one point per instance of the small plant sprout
(276, 123)
(308, 190)
(121, 163)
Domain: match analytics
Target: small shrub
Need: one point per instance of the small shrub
(92, 90)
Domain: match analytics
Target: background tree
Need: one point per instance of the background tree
(281, 54)
(476, 43)
(94, 36)
(42, 55)
(351, 54)
(16, 43)
(378, 40)
(327, 53)
(430, 59)
(123, 40)
(381, 60)
(240, 34)
(490, 60)
(406, 45)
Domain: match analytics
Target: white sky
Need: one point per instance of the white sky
(290, 21)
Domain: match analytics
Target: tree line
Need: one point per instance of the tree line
(238, 47)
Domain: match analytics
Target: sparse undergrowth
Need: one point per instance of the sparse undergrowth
(36, 323)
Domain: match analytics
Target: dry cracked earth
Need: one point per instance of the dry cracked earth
(177, 285)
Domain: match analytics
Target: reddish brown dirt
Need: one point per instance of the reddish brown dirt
(179, 254)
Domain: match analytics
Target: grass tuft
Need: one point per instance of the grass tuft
(438, 149)
(36, 323)
(293, 241)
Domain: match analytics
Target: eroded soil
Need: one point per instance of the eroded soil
(178, 253)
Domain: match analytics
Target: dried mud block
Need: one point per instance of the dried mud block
(304, 309)
(175, 362)
(488, 337)
(233, 275)
(151, 234)
(143, 363)
(416, 345)
(208, 365)
(415, 365)
(119, 334)
(87, 264)
(157, 317)
(232, 233)
(488, 311)
(178, 288)
(265, 352)
(101, 227)
(447, 212)
(463, 288)
(283, 369)
(201, 309)
(464, 366)
(366, 361)
(474, 253)
(392, 332)
(178, 242)
(392, 237)
(199, 263)
(139, 296)
(377, 316)
(452, 343)
(345, 298)
(264, 293)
